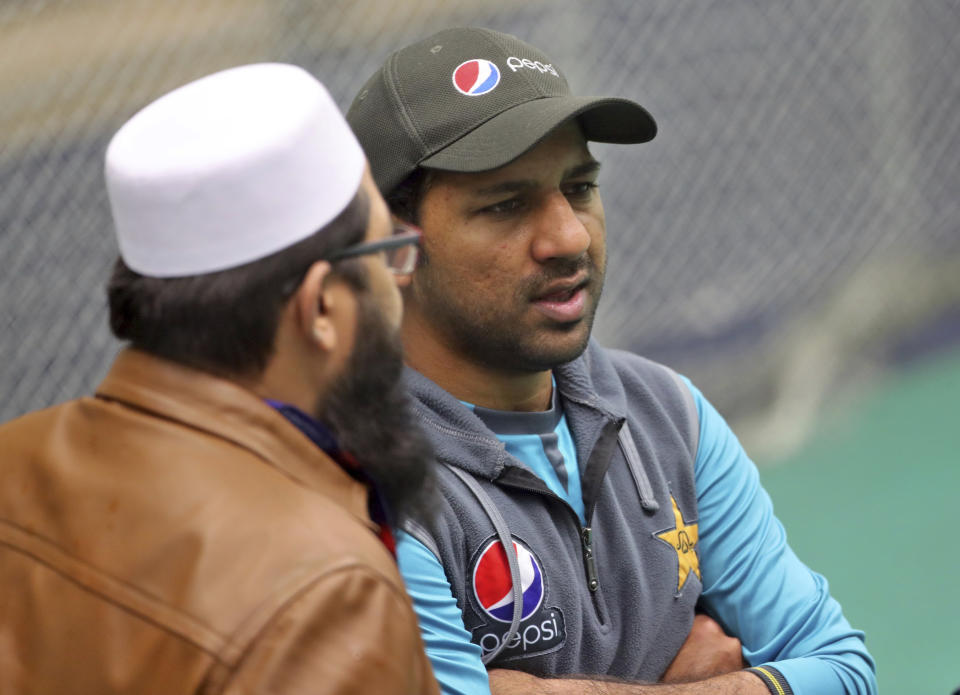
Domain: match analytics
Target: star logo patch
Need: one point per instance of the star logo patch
(683, 539)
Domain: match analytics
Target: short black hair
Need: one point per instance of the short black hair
(225, 322)
(404, 200)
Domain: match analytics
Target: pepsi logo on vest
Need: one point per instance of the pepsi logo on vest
(541, 629)
(494, 589)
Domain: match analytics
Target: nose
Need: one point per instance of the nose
(559, 233)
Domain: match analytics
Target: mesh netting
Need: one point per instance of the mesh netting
(794, 223)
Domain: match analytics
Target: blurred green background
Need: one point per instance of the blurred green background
(871, 503)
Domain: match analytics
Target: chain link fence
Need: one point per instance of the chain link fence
(794, 227)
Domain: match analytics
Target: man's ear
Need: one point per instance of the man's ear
(313, 305)
(404, 281)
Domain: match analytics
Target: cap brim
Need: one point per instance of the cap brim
(513, 132)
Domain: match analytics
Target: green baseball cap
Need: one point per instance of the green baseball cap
(469, 100)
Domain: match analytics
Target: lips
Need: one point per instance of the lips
(563, 301)
(559, 296)
(565, 287)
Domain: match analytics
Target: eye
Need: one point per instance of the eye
(580, 189)
(504, 207)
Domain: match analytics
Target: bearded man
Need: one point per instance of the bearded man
(214, 518)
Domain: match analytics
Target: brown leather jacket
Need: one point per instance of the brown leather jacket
(174, 534)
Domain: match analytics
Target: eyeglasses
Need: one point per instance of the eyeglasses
(400, 250)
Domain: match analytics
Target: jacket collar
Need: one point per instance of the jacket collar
(226, 410)
(460, 438)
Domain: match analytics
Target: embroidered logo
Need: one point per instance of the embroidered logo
(541, 629)
(475, 77)
(683, 539)
(493, 587)
(515, 64)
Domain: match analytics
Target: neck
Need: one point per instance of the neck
(290, 375)
(277, 384)
(470, 381)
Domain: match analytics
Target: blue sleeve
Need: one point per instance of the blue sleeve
(455, 659)
(756, 587)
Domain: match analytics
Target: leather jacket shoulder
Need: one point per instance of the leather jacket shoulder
(175, 534)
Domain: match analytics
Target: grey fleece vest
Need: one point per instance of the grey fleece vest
(601, 599)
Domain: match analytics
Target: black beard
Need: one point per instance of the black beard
(373, 420)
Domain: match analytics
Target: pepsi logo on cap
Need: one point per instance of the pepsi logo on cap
(494, 589)
(476, 76)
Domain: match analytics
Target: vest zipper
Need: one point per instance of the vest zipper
(537, 486)
(586, 538)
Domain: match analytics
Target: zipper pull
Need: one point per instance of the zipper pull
(593, 583)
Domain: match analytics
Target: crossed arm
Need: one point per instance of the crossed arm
(708, 662)
(504, 682)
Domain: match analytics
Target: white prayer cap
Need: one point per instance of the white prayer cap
(229, 169)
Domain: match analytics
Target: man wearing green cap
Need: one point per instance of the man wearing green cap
(594, 504)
